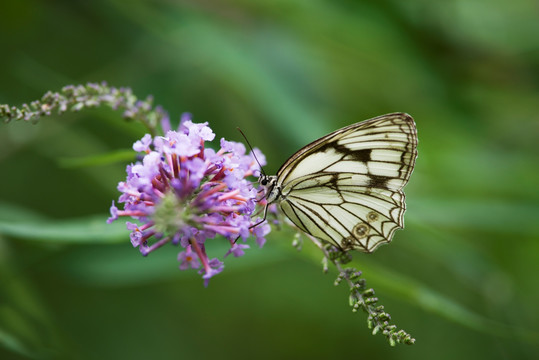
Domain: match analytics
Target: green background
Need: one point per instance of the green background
(461, 278)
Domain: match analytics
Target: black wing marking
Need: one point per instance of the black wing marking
(350, 217)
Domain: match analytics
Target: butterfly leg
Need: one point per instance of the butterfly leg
(258, 223)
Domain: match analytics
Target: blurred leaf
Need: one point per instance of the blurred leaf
(23, 223)
(403, 287)
(254, 79)
(11, 342)
(123, 265)
(13, 212)
(469, 264)
(97, 160)
(26, 327)
(493, 216)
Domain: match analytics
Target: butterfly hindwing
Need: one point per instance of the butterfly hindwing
(345, 188)
(348, 216)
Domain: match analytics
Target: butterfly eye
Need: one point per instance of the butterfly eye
(264, 182)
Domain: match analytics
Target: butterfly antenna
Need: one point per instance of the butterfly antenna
(263, 172)
(252, 151)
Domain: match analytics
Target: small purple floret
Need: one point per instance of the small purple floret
(188, 259)
(143, 145)
(113, 213)
(237, 250)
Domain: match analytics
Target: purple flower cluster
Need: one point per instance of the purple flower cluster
(185, 193)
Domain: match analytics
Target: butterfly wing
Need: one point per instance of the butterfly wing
(346, 188)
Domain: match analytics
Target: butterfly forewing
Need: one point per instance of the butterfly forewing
(345, 188)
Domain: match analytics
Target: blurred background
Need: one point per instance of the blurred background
(462, 276)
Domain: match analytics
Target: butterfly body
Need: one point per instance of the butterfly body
(346, 187)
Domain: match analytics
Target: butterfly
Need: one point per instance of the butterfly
(346, 187)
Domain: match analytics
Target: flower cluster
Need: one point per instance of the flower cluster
(185, 193)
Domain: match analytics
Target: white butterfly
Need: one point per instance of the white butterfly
(346, 187)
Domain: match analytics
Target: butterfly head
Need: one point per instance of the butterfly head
(269, 183)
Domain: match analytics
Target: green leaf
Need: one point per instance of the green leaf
(13, 343)
(26, 327)
(492, 215)
(417, 294)
(122, 265)
(22, 223)
(97, 160)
